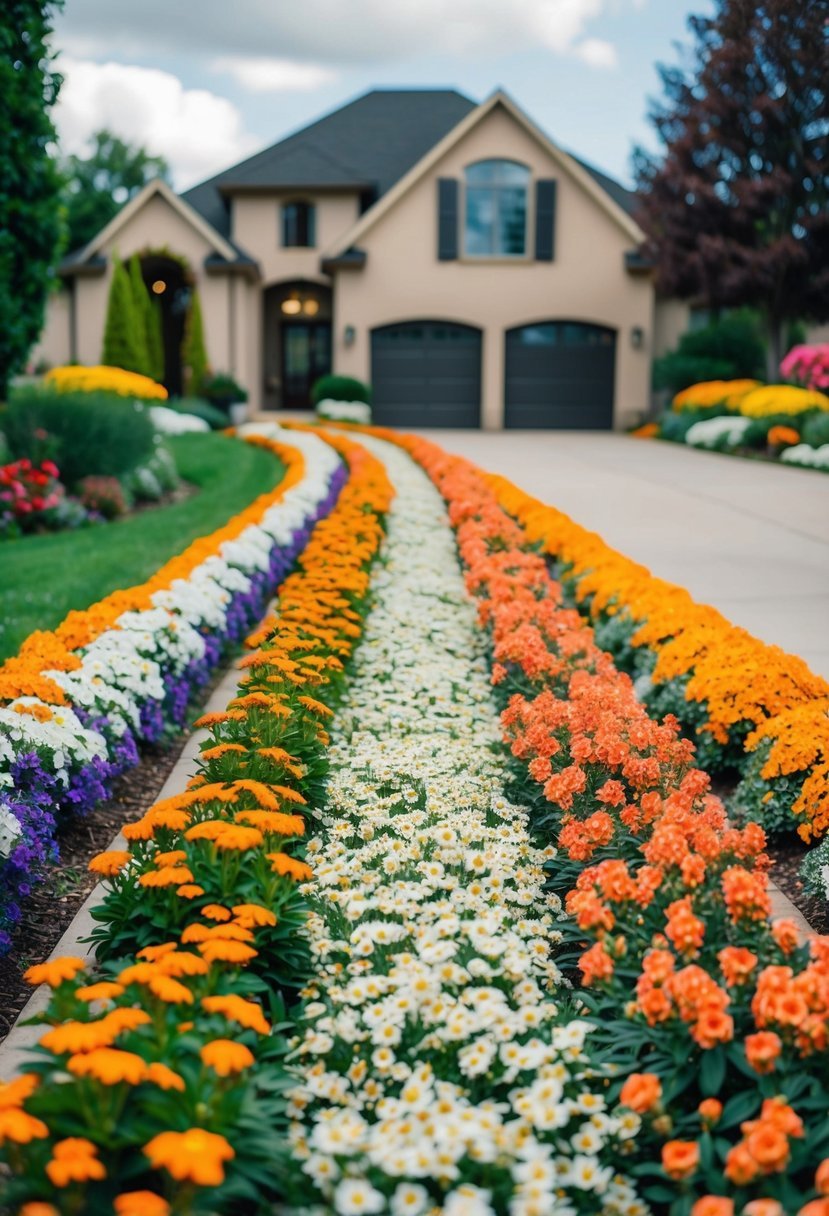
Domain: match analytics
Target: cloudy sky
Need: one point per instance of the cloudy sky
(207, 82)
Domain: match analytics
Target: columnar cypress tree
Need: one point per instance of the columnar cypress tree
(194, 354)
(29, 180)
(120, 346)
(140, 313)
(155, 339)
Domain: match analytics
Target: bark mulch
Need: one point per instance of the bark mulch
(788, 856)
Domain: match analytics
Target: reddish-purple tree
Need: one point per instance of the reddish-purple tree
(736, 207)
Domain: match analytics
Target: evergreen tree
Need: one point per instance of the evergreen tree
(155, 340)
(120, 346)
(98, 184)
(194, 353)
(29, 181)
(737, 207)
(140, 314)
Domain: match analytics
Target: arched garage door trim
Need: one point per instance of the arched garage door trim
(559, 374)
(426, 373)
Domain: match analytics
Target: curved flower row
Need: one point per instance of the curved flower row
(77, 700)
(434, 1073)
(749, 705)
(156, 1086)
(685, 976)
(73, 378)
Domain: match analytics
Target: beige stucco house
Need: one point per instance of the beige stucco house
(449, 253)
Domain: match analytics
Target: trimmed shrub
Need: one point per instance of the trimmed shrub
(814, 429)
(124, 344)
(193, 351)
(340, 388)
(675, 426)
(215, 418)
(93, 433)
(729, 349)
(140, 315)
(222, 391)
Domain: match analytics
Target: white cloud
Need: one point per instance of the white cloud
(331, 32)
(273, 75)
(596, 53)
(197, 131)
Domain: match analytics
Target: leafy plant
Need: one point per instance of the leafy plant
(125, 343)
(104, 495)
(222, 390)
(728, 349)
(194, 353)
(216, 418)
(340, 388)
(815, 429)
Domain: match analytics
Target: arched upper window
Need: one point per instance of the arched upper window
(298, 225)
(496, 209)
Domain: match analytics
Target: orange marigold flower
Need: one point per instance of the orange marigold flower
(818, 1207)
(109, 863)
(36, 1208)
(195, 1155)
(172, 858)
(736, 964)
(15, 1093)
(182, 962)
(762, 1050)
(237, 1009)
(291, 867)
(189, 890)
(104, 990)
(167, 876)
(74, 1160)
(55, 972)
(712, 1027)
(252, 916)
(710, 1110)
(226, 1057)
(822, 1177)
(713, 1205)
(680, 1158)
(74, 1037)
(109, 1066)
(764, 1207)
(171, 991)
(164, 1077)
(20, 1127)
(641, 1092)
(215, 912)
(153, 953)
(140, 1203)
(223, 950)
(786, 935)
(769, 1146)
(276, 822)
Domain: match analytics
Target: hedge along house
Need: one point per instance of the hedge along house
(447, 252)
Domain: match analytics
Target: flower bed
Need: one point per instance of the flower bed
(75, 703)
(200, 923)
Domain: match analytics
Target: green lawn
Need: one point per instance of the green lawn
(44, 577)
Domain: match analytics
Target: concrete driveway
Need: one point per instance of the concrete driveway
(748, 537)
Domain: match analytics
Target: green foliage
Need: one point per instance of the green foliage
(222, 390)
(140, 315)
(98, 185)
(675, 425)
(815, 429)
(98, 433)
(750, 801)
(123, 344)
(44, 577)
(729, 349)
(155, 340)
(215, 418)
(340, 388)
(104, 495)
(30, 226)
(193, 351)
(757, 433)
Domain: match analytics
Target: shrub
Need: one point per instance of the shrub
(815, 429)
(104, 495)
(676, 426)
(757, 432)
(718, 396)
(93, 432)
(194, 353)
(781, 399)
(728, 349)
(340, 388)
(125, 343)
(28, 493)
(216, 419)
(222, 391)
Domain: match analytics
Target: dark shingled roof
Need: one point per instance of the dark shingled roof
(368, 144)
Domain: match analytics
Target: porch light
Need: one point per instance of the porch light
(291, 306)
(349, 334)
(637, 337)
(311, 307)
(159, 287)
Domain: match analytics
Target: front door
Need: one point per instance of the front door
(306, 355)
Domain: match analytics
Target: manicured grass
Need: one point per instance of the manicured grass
(44, 577)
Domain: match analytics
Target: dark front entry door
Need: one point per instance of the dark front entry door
(306, 355)
(426, 373)
(560, 374)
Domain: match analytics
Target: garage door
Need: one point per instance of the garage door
(560, 374)
(426, 373)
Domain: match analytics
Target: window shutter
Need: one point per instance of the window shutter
(447, 219)
(545, 220)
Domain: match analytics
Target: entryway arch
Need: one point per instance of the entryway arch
(296, 341)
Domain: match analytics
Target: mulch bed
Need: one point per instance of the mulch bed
(788, 857)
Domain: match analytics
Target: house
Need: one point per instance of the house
(448, 252)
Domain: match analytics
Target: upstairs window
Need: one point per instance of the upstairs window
(496, 209)
(298, 225)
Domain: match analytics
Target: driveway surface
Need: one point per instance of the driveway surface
(751, 538)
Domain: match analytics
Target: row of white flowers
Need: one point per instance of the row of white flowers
(122, 668)
(436, 1072)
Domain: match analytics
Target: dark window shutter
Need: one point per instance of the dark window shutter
(447, 219)
(545, 220)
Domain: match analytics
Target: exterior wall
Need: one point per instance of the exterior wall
(256, 225)
(671, 319)
(157, 226)
(403, 279)
(54, 346)
(817, 334)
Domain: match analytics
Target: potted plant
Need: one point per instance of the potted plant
(223, 391)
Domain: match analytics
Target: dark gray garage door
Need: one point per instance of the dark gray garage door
(560, 374)
(426, 373)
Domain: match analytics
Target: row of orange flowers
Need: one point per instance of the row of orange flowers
(748, 704)
(155, 1088)
(715, 1018)
(22, 675)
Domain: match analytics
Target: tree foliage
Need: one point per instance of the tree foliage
(194, 352)
(737, 206)
(98, 185)
(29, 180)
(140, 314)
(122, 343)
